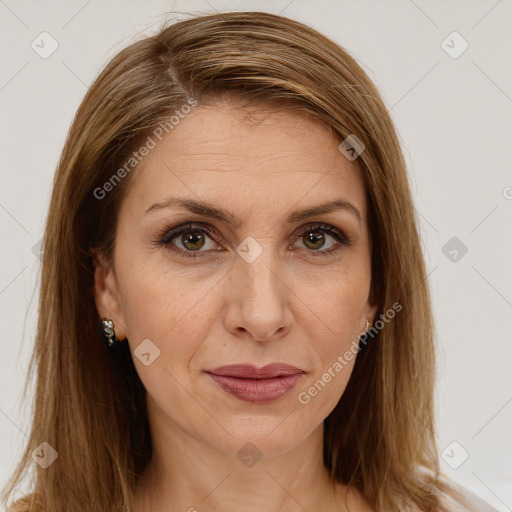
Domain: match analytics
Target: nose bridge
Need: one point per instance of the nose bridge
(257, 294)
(259, 283)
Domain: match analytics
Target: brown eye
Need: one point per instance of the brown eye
(314, 240)
(192, 240)
(323, 238)
(189, 239)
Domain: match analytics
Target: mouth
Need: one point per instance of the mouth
(257, 385)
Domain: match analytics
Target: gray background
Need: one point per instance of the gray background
(454, 120)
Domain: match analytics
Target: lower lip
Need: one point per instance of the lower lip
(257, 390)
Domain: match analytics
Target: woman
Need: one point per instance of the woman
(234, 306)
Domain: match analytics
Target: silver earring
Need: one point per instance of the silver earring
(109, 333)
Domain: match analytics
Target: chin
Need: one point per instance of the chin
(263, 437)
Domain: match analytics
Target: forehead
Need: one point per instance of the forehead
(248, 157)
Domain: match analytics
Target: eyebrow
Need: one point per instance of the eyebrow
(221, 214)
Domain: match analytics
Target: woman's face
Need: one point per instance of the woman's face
(253, 281)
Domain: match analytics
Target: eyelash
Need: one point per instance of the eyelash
(165, 237)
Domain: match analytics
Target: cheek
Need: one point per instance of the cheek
(175, 315)
(334, 332)
(339, 308)
(159, 303)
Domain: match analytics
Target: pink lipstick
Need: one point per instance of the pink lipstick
(257, 385)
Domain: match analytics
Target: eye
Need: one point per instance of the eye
(316, 238)
(188, 239)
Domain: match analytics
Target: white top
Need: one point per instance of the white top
(462, 500)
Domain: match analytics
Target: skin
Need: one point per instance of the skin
(294, 304)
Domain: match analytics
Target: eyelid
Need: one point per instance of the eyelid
(327, 228)
(167, 234)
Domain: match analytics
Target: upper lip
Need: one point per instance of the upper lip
(248, 371)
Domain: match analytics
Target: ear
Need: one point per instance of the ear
(106, 294)
(371, 312)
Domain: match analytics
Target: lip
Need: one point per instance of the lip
(256, 385)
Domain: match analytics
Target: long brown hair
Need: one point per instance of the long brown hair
(89, 405)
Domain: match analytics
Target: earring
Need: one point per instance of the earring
(364, 336)
(109, 334)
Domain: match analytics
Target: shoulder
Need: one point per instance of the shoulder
(455, 499)
(460, 499)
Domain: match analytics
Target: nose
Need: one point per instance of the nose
(257, 299)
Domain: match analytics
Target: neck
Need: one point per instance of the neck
(189, 474)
